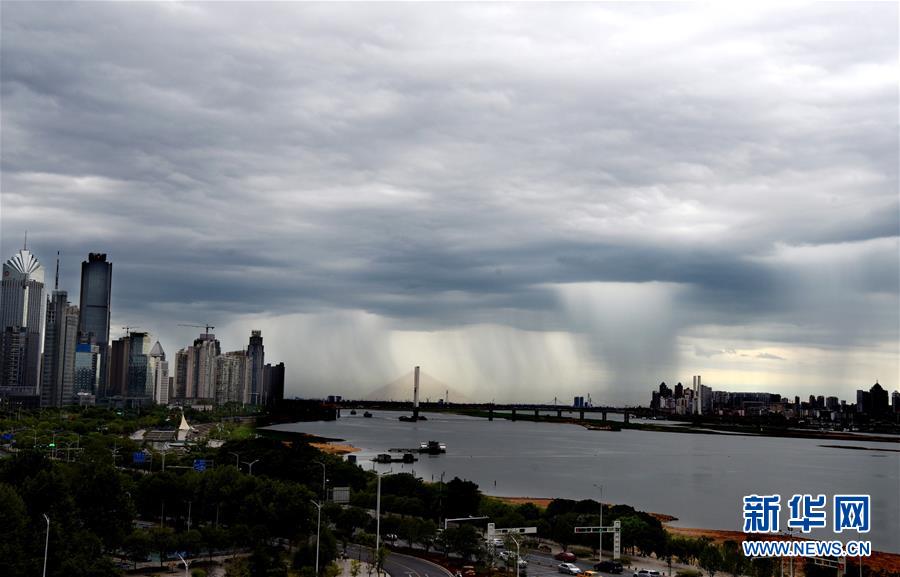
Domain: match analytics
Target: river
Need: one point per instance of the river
(699, 478)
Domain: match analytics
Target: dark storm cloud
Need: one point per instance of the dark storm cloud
(446, 166)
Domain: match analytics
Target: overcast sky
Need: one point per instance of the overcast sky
(529, 201)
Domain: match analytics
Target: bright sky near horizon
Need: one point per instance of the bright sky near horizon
(528, 200)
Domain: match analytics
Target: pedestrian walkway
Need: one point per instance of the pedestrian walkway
(346, 567)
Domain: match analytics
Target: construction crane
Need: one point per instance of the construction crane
(128, 330)
(206, 327)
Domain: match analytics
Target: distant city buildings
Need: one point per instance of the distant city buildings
(702, 400)
(55, 354)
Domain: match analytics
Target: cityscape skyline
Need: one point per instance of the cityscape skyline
(514, 208)
(59, 307)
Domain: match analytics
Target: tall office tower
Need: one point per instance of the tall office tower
(180, 376)
(232, 375)
(698, 401)
(87, 372)
(159, 368)
(139, 390)
(23, 306)
(93, 324)
(274, 378)
(201, 368)
(878, 397)
(257, 356)
(19, 358)
(61, 337)
(117, 375)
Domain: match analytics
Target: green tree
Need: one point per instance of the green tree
(137, 546)
(711, 560)
(13, 523)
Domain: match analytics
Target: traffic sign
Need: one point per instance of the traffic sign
(200, 465)
(492, 530)
(608, 529)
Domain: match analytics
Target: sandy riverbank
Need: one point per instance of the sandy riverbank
(335, 448)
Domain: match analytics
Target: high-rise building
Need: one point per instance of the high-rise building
(139, 389)
(863, 401)
(256, 356)
(19, 353)
(679, 391)
(23, 307)
(232, 376)
(200, 382)
(61, 337)
(274, 377)
(159, 369)
(180, 376)
(93, 324)
(695, 386)
(878, 397)
(895, 401)
(87, 370)
(117, 375)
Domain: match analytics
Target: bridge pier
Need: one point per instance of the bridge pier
(514, 414)
(604, 416)
(581, 415)
(536, 415)
(626, 417)
(491, 413)
(559, 413)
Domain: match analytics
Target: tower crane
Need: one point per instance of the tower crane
(206, 327)
(128, 330)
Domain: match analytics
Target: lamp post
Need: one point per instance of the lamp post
(237, 459)
(318, 529)
(46, 544)
(187, 564)
(516, 541)
(378, 514)
(250, 466)
(600, 550)
(323, 476)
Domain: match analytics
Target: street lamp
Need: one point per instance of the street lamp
(187, 564)
(600, 550)
(250, 466)
(318, 529)
(378, 513)
(516, 541)
(46, 543)
(323, 476)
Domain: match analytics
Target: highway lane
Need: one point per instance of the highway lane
(398, 565)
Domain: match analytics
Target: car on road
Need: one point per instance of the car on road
(608, 566)
(647, 573)
(566, 556)
(568, 568)
(503, 555)
(589, 574)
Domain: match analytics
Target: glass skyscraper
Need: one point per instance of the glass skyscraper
(93, 324)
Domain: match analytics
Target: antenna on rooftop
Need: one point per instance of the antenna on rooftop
(56, 283)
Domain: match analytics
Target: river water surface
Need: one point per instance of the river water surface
(699, 478)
